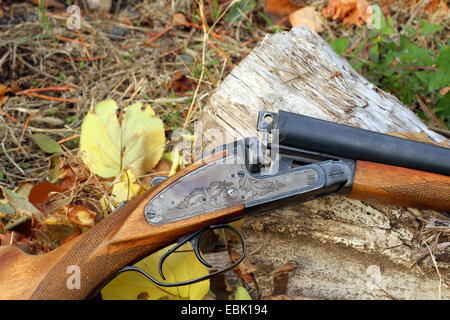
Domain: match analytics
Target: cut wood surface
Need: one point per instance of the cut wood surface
(344, 249)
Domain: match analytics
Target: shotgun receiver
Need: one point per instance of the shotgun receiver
(300, 158)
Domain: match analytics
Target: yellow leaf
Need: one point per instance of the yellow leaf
(307, 16)
(242, 294)
(126, 188)
(179, 266)
(109, 147)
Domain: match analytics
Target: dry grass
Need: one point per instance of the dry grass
(130, 70)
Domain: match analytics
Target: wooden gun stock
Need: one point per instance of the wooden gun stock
(116, 241)
(125, 236)
(374, 182)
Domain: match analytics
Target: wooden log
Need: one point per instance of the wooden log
(344, 249)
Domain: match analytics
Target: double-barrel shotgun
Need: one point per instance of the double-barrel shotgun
(299, 159)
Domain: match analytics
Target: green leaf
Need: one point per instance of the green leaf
(241, 294)
(340, 45)
(46, 143)
(443, 61)
(410, 30)
(358, 65)
(428, 28)
(244, 6)
(438, 80)
(417, 52)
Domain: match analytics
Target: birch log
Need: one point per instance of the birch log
(344, 249)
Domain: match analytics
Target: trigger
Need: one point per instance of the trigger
(157, 180)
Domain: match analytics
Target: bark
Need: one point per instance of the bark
(344, 249)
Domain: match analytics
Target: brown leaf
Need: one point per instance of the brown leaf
(245, 269)
(162, 168)
(280, 7)
(41, 193)
(69, 174)
(352, 12)
(81, 216)
(308, 17)
(3, 90)
(58, 226)
(3, 100)
(444, 91)
(180, 83)
(179, 19)
(436, 6)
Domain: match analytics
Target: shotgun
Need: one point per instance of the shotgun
(299, 159)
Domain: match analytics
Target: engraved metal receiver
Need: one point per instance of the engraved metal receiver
(251, 174)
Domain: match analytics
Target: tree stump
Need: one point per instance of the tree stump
(343, 249)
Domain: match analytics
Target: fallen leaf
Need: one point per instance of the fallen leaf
(444, 91)
(58, 226)
(21, 205)
(181, 83)
(71, 173)
(242, 294)
(308, 17)
(4, 89)
(108, 147)
(245, 269)
(179, 19)
(24, 190)
(279, 8)
(81, 216)
(45, 143)
(126, 188)
(3, 100)
(41, 193)
(352, 12)
(438, 7)
(180, 266)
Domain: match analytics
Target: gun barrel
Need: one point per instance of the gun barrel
(349, 142)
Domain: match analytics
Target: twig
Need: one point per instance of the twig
(419, 7)
(11, 160)
(8, 116)
(88, 59)
(52, 98)
(83, 44)
(437, 270)
(24, 128)
(69, 138)
(159, 35)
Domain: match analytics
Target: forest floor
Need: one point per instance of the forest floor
(169, 54)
